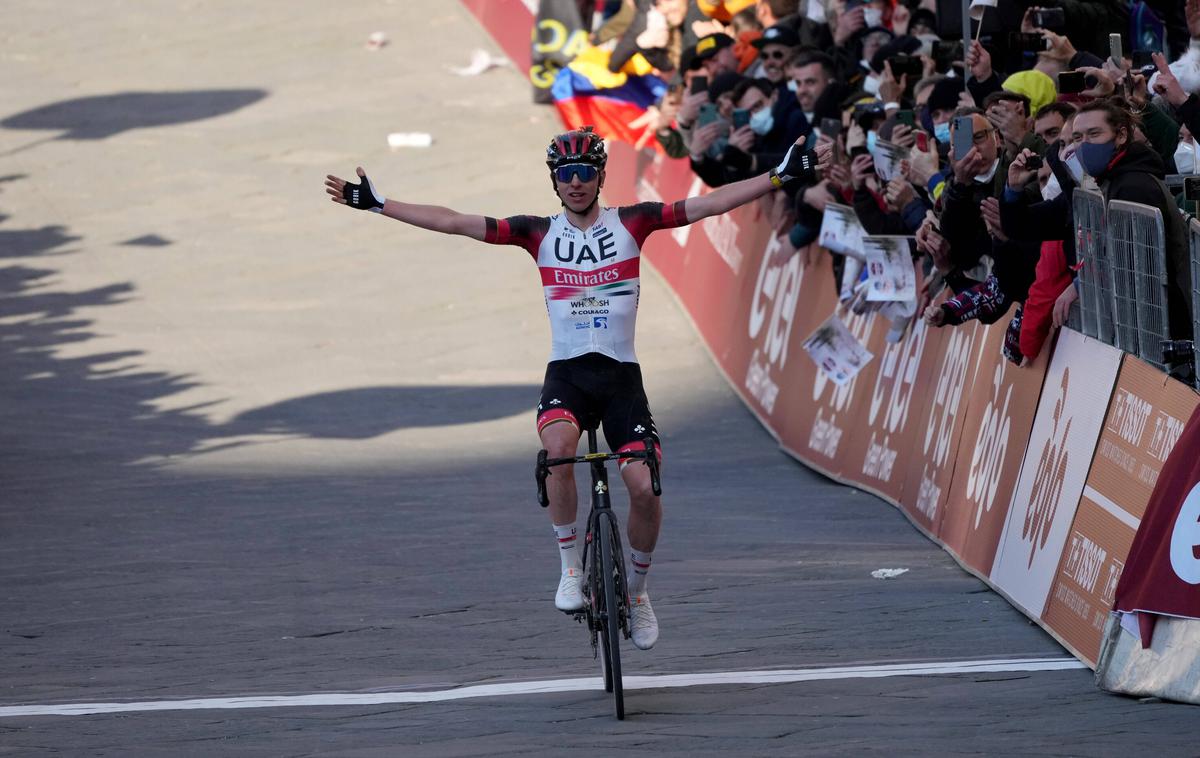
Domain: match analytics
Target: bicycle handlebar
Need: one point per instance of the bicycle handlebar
(544, 464)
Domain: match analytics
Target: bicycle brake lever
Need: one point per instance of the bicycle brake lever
(540, 473)
(652, 463)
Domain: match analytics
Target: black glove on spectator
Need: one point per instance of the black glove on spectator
(795, 165)
(363, 196)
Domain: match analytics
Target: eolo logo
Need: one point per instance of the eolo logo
(1048, 480)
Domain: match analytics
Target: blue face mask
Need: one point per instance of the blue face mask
(762, 121)
(1095, 156)
(941, 133)
(872, 141)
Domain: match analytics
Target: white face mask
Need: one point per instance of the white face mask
(1052, 189)
(985, 178)
(1074, 166)
(1185, 157)
(871, 84)
(873, 17)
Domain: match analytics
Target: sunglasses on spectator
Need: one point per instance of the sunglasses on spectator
(585, 171)
(774, 55)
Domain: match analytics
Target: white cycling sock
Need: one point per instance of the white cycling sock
(568, 552)
(639, 564)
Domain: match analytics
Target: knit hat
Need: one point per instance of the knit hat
(1035, 85)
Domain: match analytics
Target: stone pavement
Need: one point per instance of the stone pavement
(254, 443)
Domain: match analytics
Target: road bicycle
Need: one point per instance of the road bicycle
(605, 595)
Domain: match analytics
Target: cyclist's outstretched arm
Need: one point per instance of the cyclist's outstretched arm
(798, 163)
(364, 196)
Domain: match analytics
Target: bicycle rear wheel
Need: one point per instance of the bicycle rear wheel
(610, 614)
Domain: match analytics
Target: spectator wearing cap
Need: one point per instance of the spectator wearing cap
(714, 54)
(775, 46)
(905, 45)
(923, 22)
(854, 59)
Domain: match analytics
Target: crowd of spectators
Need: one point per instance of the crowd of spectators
(994, 136)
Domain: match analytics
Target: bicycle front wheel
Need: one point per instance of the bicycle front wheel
(610, 614)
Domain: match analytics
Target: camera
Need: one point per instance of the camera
(1070, 82)
(1034, 162)
(906, 64)
(1027, 42)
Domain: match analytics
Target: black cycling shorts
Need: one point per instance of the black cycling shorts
(593, 390)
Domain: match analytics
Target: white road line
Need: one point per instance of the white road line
(658, 681)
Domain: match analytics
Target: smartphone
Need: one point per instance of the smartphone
(858, 150)
(1191, 188)
(1114, 50)
(741, 117)
(1028, 42)
(906, 64)
(699, 84)
(964, 136)
(906, 117)
(1033, 162)
(1070, 82)
(923, 142)
(1050, 18)
(831, 128)
(1141, 59)
(707, 115)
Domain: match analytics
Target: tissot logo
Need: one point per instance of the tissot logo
(1051, 472)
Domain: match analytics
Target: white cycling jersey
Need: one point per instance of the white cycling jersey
(590, 277)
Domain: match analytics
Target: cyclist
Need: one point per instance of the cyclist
(588, 259)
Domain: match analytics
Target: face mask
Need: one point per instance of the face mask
(1185, 158)
(1074, 166)
(985, 178)
(791, 85)
(1095, 156)
(871, 85)
(762, 121)
(1052, 189)
(872, 141)
(873, 17)
(941, 132)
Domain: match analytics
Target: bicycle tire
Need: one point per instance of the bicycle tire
(611, 613)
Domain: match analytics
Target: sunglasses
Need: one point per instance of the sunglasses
(774, 55)
(586, 172)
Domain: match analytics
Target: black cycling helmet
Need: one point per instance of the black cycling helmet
(576, 146)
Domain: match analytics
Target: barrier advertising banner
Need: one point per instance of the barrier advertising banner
(1001, 402)
(1145, 418)
(1078, 384)
(943, 380)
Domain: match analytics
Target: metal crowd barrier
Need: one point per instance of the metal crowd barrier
(1138, 259)
(1194, 246)
(1096, 302)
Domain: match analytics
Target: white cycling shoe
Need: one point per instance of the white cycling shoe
(569, 597)
(643, 625)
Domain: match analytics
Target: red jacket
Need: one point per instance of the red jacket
(1051, 278)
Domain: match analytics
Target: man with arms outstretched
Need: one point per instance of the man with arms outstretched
(588, 257)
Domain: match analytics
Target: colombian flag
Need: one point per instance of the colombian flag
(586, 92)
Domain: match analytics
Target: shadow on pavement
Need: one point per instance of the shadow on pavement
(101, 116)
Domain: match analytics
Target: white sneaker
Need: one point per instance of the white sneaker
(643, 625)
(569, 597)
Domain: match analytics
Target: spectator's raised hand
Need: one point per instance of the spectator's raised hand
(855, 137)
(861, 169)
(1165, 83)
(1018, 175)
(931, 242)
(1059, 48)
(704, 136)
(1105, 85)
(904, 135)
(1012, 126)
(970, 166)
(921, 165)
(824, 151)
(990, 210)
(817, 196)
(658, 32)
(899, 193)
(742, 139)
(689, 108)
(934, 315)
(891, 90)
(848, 24)
(839, 177)
(979, 62)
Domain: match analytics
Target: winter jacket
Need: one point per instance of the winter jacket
(1052, 278)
